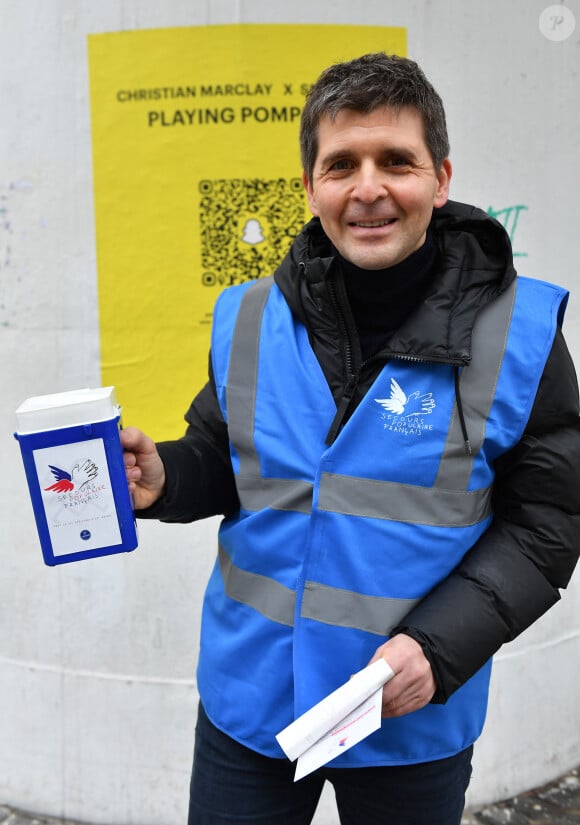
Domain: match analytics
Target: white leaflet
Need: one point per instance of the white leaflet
(335, 724)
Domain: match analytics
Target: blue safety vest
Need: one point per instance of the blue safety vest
(333, 545)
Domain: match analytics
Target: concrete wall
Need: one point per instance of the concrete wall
(97, 660)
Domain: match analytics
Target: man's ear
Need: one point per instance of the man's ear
(443, 183)
(310, 194)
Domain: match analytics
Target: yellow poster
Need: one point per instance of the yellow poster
(197, 186)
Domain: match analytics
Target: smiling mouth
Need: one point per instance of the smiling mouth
(373, 224)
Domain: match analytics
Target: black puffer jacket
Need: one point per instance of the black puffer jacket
(514, 572)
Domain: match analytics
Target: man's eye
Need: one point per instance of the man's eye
(398, 162)
(339, 165)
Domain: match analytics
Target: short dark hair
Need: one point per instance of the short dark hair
(363, 85)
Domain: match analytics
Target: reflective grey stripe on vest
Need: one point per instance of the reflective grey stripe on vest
(477, 387)
(242, 378)
(331, 605)
(343, 608)
(278, 493)
(403, 502)
(255, 492)
(264, 594)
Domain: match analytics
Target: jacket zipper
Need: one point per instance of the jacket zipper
(352, 378)
(343, 330)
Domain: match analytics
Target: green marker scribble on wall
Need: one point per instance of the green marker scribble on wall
(509, 217)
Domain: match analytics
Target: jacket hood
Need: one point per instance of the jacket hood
(474, 266)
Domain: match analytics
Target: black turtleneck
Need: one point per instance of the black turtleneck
(382, 299)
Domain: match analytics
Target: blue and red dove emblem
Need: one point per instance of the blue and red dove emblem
(82, 473)
(63, 483)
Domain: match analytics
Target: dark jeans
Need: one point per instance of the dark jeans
(232, 784)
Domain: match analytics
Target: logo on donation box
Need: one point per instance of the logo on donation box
(406, 413)
(81, 475)
(77, 495)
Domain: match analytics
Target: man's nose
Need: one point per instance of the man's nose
(369, 183)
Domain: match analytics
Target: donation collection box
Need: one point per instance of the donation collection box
(73, 461)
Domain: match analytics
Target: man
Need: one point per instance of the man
(391, 431)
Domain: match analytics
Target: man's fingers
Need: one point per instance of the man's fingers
(406, 701)
(131, 438)
(412, 686)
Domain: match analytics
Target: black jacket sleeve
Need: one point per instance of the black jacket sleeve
(199, 473)
(513, 574)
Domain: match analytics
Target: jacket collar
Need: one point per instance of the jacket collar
(475, 266)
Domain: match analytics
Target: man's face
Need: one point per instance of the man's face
(374, 184)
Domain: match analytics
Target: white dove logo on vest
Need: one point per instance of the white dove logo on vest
(403, 413)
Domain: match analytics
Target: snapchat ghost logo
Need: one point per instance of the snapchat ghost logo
(253, 232)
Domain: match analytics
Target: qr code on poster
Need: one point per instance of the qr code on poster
(247, 226)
